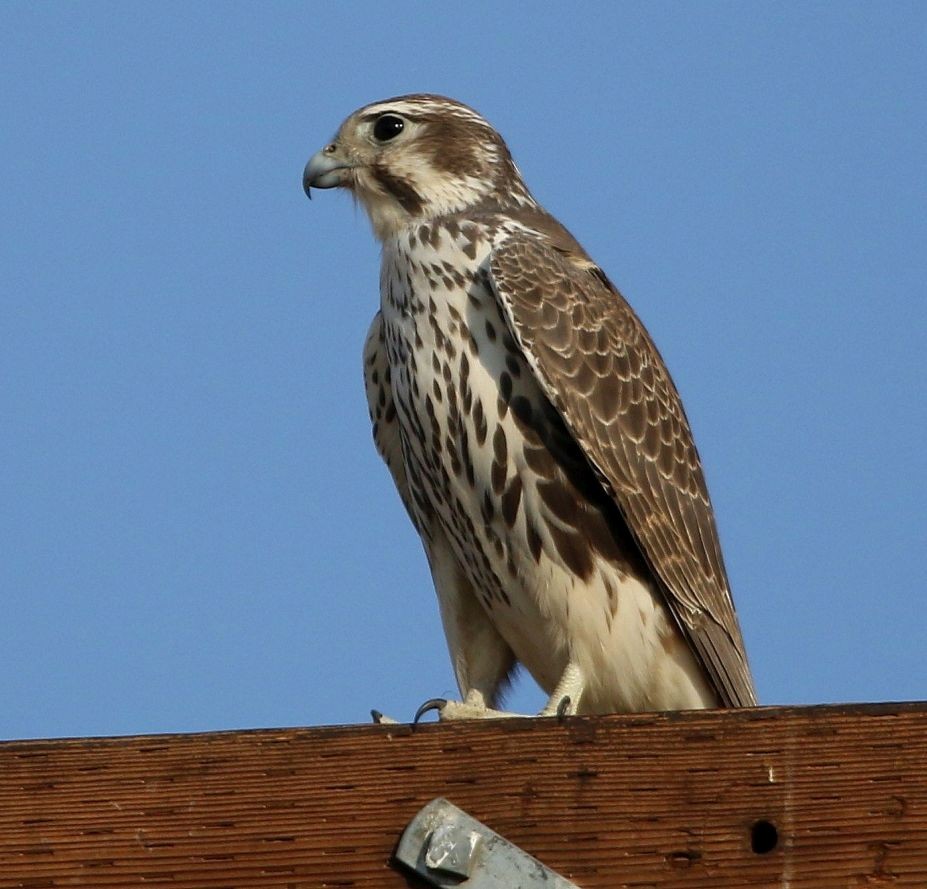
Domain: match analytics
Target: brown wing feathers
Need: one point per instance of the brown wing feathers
(597, 364)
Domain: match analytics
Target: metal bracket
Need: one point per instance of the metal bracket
(449, 848)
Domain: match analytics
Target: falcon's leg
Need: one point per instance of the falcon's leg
(564, 701)
(566, 696)
(481, 658)
(473, 706)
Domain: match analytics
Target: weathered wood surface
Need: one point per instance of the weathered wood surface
(637, 801)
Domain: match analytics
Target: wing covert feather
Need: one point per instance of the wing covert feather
(600, 369)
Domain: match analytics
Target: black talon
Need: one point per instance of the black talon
(562, 708)
(431, 704)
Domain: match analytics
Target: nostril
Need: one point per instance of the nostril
(763, 837)
(329, 149)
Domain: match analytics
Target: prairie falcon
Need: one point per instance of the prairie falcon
(533, 432)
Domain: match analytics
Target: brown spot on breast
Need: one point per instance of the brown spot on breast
(510, 565)
(523, 413)
(540, 461)
(500, 459)
(435, 426)
(499, 445)
(573, 550)
(511, 500)
(456, 465)
(487, 509)
(603, 536)
(479, 420)
(453, 411)
(559, 499)
(465, 456)
(471, 233)
(534, 541)
(505, 386)
(612, 594)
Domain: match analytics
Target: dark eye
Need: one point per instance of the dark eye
(387, 127)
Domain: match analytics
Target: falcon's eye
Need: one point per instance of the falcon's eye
(387, 127)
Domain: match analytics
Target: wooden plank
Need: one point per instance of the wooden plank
(625, 801)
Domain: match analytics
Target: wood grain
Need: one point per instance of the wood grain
(623, 801)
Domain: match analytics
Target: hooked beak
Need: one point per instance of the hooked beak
(324, 170)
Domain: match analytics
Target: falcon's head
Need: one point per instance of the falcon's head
(415, 158)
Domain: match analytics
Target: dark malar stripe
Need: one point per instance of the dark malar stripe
(409, 199)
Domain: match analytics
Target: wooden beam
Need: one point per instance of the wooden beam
(787, 797)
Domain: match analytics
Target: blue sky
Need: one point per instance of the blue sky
(196, 531)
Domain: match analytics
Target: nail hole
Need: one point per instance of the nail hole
(763, 837)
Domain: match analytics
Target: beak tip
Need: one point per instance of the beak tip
(323, 171)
